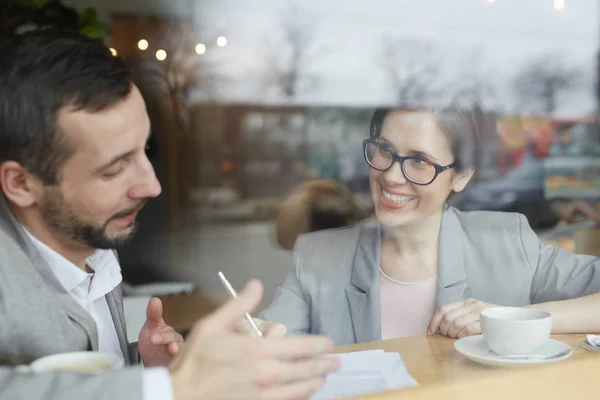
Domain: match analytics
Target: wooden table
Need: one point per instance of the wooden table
(445, 374)
(181, 311)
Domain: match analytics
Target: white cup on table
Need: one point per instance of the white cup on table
(86, 362)
(514, 330)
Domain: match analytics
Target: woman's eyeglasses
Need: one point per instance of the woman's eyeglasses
(415, 169)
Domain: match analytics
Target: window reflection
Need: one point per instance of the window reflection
(259, 97)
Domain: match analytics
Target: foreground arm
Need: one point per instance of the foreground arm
(580, 315)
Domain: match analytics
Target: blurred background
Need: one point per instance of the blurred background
(249, 99)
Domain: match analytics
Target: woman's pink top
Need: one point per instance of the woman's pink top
(406, 307)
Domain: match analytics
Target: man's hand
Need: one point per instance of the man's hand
(219, 362)
(157, 341)
(458, 319)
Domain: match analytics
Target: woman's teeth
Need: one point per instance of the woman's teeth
(398, 199)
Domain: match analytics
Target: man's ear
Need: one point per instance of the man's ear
(461, 179)
(19, 186)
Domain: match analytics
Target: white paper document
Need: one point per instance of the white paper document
(366, 372)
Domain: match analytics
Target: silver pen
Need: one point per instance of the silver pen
(233, 294)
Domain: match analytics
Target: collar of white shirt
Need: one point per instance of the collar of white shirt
(106, 276)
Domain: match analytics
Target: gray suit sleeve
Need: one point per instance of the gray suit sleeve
(290, 305)
(558, 274)
(134, 355)
(123, 384)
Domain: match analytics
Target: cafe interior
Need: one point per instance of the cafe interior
(251, 100)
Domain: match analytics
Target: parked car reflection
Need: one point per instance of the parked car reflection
(519, 190)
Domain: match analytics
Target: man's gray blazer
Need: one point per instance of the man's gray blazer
(38, 318)
(490, 256)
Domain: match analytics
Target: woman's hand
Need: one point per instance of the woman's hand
(458, 319)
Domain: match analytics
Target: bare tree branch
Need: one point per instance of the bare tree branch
(413, 67)
(473, 85)
(288, 60)
(542, 82)
(185, 70)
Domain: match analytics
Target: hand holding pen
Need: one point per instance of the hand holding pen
(253, 326)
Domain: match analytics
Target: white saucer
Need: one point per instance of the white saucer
(475, 350)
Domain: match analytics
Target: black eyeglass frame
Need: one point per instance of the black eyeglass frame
(401, 159)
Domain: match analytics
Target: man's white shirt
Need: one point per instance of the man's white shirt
(90, 290)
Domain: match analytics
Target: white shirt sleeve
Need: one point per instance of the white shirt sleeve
(157, 384)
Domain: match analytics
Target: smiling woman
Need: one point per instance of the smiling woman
(422, 266)
(418, 158)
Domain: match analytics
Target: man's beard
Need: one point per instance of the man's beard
(62, 219)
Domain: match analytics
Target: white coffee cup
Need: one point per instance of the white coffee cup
(514, 330)
(88, 362)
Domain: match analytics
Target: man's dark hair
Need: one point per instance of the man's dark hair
(40, 73)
